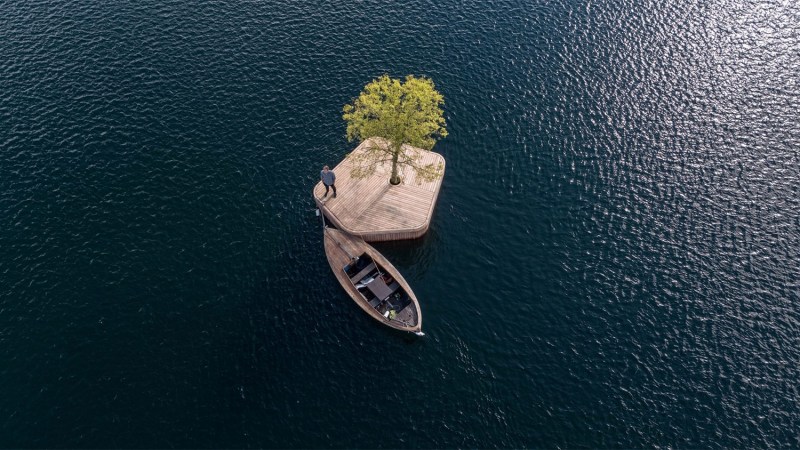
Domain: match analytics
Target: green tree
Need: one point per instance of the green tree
(396, 113)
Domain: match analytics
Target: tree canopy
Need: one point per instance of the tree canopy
(397, 113)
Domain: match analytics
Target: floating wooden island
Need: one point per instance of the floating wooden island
(375, 210)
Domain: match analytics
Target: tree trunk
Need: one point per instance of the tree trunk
(395, 179)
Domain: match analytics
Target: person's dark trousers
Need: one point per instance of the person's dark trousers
(330, 186)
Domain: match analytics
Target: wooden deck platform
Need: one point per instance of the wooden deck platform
(374, 209)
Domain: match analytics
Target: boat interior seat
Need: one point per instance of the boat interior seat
(394, 286)
(364, 272)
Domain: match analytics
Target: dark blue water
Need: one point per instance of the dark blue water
(614, 260)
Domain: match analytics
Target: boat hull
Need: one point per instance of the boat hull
(339, 248)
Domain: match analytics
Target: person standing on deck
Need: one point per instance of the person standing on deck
(328, 179)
